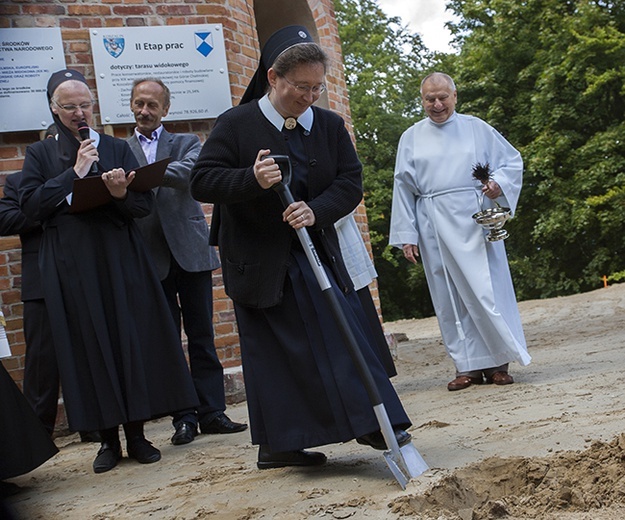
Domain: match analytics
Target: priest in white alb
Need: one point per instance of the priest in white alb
(435, 195)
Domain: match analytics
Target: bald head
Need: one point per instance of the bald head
(438, 96)
(438, 78)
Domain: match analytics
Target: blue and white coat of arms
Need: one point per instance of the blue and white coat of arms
(114, 45)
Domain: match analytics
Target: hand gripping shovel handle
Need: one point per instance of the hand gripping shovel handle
(403, 468)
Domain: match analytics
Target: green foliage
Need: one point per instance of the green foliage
(383, 69)
(550, 76)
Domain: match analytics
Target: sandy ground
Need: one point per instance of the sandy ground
(551, 446)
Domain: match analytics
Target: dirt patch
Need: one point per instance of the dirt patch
(549, 447)
(517, 487)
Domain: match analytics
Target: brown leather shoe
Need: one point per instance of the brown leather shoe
(500, 378)
(462, 382)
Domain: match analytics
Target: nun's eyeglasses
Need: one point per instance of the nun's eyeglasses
(317, 90)
(73, 108)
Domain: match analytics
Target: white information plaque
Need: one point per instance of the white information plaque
(28, 57)
(189, 59)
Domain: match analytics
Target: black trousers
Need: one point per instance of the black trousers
(190, 298)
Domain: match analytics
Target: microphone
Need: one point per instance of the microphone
(83, 131)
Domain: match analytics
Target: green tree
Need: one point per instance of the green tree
(384, 64)
(550, 74)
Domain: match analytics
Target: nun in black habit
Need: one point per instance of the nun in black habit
(302, 387)
(119, 353)
(24, 442)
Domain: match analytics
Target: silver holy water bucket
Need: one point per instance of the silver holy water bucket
(493, 219)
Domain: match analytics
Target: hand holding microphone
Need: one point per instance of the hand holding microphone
(86, 152)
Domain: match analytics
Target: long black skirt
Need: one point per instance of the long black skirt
(24, 442)
(302, 386)
(119, 352)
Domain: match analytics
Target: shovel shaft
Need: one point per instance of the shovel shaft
(322, 278)
(311, 253)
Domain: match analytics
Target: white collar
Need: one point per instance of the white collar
(156, 134)
(269, 111)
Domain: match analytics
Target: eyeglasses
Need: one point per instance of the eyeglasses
(317, 90)
(73, 108)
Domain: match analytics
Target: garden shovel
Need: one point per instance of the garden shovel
(405, 462)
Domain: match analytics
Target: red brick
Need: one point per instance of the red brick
(69, 23)
(90, 9)
(89, 22)
(224, 341)
(136, 22)
(18, 374)
(114, 22)
(18, 349)
(12, 165)
(9, 295)
(35, 9)
(78, 34)
(174, 10)
(224, 328)
(8, 10)
(208, 9)
(83, 58)
(11, 364)
(132, 10)
(75, 47)
(220, 304)
(8, 152)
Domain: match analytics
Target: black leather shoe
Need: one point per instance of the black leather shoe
(142, 451)
(377, 442)
(108, 457)
(282, 459)
(185, 433)
(222, 424)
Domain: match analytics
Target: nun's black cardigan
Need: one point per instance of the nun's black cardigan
(254, 243)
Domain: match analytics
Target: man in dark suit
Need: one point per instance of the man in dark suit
(41, 375)
(177, 235)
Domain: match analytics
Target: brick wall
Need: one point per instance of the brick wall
(240, 34)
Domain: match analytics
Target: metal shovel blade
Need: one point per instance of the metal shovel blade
(409, 465)
(405, 462)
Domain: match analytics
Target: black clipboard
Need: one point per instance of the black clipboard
(91, 192)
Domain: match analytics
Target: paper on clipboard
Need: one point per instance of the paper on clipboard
(91, 192)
